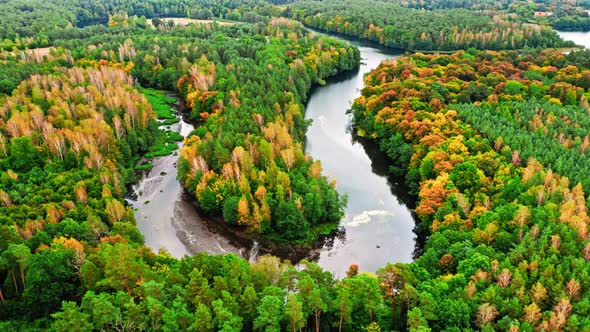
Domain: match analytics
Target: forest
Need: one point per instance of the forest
(433, 30)
(562, 15)
(73, 132)
(408, 25)
(30, 24)
(493, 143)
(567, 15)
(250, 168)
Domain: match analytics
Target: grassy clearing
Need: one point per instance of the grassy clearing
(161, 105)
(144, 167)
(181, 21)
(164, 140)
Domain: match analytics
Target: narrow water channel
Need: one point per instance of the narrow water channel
(167, 218)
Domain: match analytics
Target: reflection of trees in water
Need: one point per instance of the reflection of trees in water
(341, 77)
(296, 253)
(340, 234)
(380, 165)
(421, 237)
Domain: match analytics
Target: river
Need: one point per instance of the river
(167, 218)
(377, 227)
(579, 37)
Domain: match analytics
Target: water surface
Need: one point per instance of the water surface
(581, 38)
(378, 226)
(167, 217)
(376, 229)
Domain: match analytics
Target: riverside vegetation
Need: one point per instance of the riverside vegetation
(493, 144)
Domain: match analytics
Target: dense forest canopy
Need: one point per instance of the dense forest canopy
(246, 161)
(411, 29)
(562, 15)
(73, 132)
(444, 25)
(494, 145)
(570, 15)
(484, 139)
(34, 22)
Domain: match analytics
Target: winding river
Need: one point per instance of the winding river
(377, 227)
(378, 224)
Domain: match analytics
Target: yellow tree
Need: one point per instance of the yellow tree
(115, 211)
(486, 313)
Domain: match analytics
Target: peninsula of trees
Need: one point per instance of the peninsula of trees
(493, 143)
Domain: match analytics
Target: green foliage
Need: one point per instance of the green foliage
(467, 176)
(513, 87)
(160, 103)
(230, 207)
(293, 313)
(443, 27)
(507, 245)
(50, 279)
(249, 154)
(269, 314)
(22, 155)
(226, 320)
(557, 143)
(490, 164)
(71, 318)
(203, 320)
(121, 265)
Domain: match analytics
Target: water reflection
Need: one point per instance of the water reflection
(581, 38)
(378, 225)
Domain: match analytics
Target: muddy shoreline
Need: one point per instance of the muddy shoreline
(239, 237)
(200, 234)
(378, 225)
(165, 214)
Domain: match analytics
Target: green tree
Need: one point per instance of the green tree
(373, 327)
(23, 155)
(122, 267)
(225, 320)
(203, 320)
(343, 305)
(393, 279)
(198, 289)
(51, 278)
(103, 313)
(248, 305)
(177, 318)
(270, 312)
(467, 176)
(513, 87)
(16, 256)
(71, 318)
(416, 322)
(294, 313)
(311, 298)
